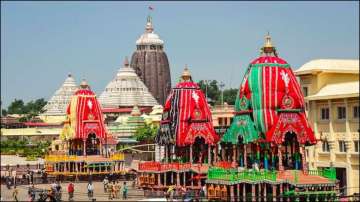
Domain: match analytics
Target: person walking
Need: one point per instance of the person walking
(109, 190)
(90, 189)
(125, 190)
(71, 190)
(113, 190)
(105, 183)
(117, 189)
(31, 192)
(203, 193)
(15, 194)
(58, 190)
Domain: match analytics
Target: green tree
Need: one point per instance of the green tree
(212, 90)
(3, 112)
(230, 95)
(16, 107)
(30, 109)
(146, 133)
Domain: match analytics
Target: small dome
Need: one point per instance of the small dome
(149, 39)
(84, 84)
(126, 89)
(186, 76)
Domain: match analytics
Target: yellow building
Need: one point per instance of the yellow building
(222, 116)
(331, 90)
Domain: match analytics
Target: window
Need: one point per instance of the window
(356, 112)
(342, 147)
(325, 147)
(341, 111)
(325, 113)
(305, 91)
(356, 145)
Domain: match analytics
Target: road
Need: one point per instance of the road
(79, 195)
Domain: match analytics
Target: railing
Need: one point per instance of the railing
(223, 164)
(156, 166)
(64, 158)
(234, 175)
(118, 157)
(60, 158)
(329, 173)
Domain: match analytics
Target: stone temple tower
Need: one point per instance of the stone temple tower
(151, 63)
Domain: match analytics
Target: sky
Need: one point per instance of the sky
(41, 42)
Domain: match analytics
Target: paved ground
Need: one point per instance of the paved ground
(80, 192)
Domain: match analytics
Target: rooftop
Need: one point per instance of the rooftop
(329, 65)
(336, 90)
(58, 103)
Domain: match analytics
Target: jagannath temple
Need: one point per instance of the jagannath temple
(261, 157)
(85, 147)
(151, 63)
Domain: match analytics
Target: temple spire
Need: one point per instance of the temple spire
(268, 49)
(149, 26)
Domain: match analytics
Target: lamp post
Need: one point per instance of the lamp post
(206, 86)
(222, 85)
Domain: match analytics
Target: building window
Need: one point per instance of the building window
(341, 111)
(356, 145)
(325, 112)
(356, 112)
(342, 147)
(305, 91)
(220, 121)
(325, 147)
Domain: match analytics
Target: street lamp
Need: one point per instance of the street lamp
(222, 85)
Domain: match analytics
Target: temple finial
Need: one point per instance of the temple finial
(268, 47)
(186, 76)
(126, 61)
(84, 84)
(149, 26)
(69, 74)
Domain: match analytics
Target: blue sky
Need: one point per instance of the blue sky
(41, 42)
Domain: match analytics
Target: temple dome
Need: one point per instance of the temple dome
(125, 90)
(58, 102)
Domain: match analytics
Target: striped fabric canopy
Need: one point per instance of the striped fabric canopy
(84, 116)
(269, 104)
(186, 116)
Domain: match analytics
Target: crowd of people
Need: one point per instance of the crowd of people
(114, 188)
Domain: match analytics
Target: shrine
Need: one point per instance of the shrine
(263, 151)
(85, 147)
(188, 137)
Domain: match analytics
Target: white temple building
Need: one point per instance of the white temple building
(126, 90)
(55, 109)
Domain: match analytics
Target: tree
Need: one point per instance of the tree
(16, 107)
(146, 133)
(31, 109)
(213, 90)
(3, 112)
(230, 95)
